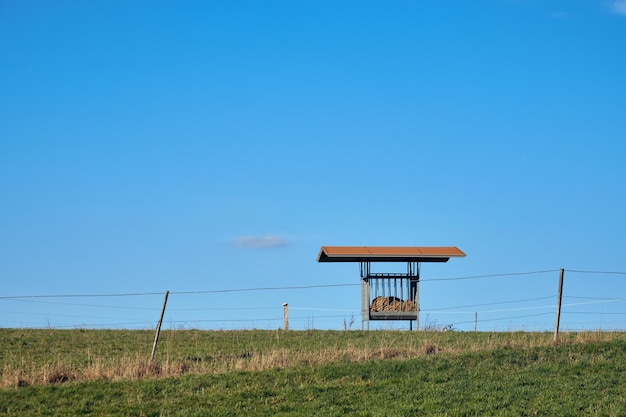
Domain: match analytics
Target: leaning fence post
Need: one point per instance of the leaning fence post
(158, 329)
(558, 305)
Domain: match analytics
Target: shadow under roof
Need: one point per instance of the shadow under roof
(388, 253)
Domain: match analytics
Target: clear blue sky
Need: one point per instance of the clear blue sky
(197, 146)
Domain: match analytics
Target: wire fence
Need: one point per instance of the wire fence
(591, 300)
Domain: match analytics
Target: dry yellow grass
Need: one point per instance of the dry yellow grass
(185, 352)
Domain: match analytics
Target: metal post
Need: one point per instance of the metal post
(417, 302)
(475, 320)
(417, 295)
(366, 283)
(158, 329)
(558, 305)
(364, 303)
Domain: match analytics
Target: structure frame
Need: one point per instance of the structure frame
(389, 295)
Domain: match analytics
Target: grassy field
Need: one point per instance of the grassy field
(322, 373)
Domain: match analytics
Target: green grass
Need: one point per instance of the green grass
(328, 374)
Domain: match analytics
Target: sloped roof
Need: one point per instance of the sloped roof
(388, 253)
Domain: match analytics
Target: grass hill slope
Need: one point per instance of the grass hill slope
(313, 373)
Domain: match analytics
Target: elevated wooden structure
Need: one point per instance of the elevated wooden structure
(390, 295)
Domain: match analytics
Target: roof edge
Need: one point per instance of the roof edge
(388, 253)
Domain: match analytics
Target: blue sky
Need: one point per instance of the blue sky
(199, 146)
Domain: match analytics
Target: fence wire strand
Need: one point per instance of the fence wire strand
(461, 309)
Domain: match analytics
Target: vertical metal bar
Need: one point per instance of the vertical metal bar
(382, 286)
(415, 292)
(409, 270)
(365, 302)
(417, 304)
(395, 287)
(407, 304)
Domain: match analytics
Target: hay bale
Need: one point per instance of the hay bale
(410, 305)
(380, 304)
(395, 305)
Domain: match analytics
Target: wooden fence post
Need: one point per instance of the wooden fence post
(158, 329)
(558, 306)
(286, 316)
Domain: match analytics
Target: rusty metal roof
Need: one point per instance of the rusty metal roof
(388, 253)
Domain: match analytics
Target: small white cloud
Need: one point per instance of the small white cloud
(619, 7)
(263, 242)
